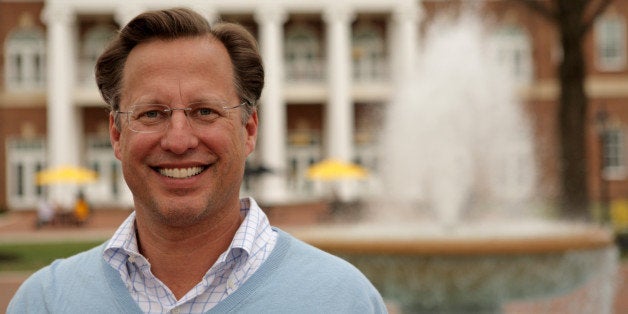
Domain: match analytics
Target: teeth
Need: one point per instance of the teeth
(181, 173)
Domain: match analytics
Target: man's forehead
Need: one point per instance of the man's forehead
(163, 68)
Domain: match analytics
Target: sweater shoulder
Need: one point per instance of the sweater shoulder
(303, 258)
(304, 252)
(300, 278)
(85, 263)
(70, 279)
(70, 267)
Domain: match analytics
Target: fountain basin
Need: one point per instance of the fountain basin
(428, 269)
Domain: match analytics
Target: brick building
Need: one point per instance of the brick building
(330, 67)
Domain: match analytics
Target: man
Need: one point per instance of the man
(183, 121)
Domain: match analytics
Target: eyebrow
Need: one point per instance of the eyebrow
(154, 101)
(212, 101)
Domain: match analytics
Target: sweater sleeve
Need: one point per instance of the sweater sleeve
(29, 298)
(82, 283)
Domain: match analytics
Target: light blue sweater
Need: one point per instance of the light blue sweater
(296, 278)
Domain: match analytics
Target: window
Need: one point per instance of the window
(25, 59)
(25, 157)
(610, 42)
(613, 145)
(109, 189)
(368, 53)
(95, 41)
(300, 158)
(302, 54)
(513, 51)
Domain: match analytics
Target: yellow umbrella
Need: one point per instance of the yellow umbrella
(334, 169)
(66, 174)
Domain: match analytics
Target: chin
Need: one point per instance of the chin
(172, 213)
(181, 218)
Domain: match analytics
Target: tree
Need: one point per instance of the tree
(573, 20)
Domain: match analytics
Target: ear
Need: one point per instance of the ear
(251, 133)
(114, 136)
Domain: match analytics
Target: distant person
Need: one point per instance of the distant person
(45, 213)
(183, 120)
(81, 209)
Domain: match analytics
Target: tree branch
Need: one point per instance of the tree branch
(543, 10)
(587, 23)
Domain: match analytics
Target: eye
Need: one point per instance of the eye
(204, 112)
(149, 113)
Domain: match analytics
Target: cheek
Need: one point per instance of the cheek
(245, 143)
(229, 139)
(225, 146)
(132, 147)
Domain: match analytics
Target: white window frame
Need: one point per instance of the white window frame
(614, 142)
(96, 38)
(513, 50)
(21, 187)
(369, 60)
(300, 158)
(29, 46)
(110, 188)
(610, 42)
(303, 54)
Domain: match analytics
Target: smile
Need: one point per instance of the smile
(181, 173)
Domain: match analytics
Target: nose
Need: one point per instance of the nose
(179, 136)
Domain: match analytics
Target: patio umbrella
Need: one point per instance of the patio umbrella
(66, 174)
(334, 169)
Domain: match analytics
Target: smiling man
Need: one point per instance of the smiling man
(183, 120)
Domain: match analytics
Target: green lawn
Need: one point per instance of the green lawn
(30, 257)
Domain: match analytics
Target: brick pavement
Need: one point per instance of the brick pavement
(20, 226)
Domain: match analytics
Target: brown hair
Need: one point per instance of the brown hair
(179, 23)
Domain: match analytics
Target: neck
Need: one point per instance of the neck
(180, 257)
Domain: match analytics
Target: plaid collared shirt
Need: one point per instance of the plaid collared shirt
(252, 244)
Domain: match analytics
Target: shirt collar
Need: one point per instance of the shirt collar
(125, 238)
(254, 224)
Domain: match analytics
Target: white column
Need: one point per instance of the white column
(272, 128)
(405, 37)
(63, 118)
(339, 109)
(339, 128)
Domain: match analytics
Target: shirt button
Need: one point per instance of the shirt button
(175, 311)
(230, 283)
(132, 259)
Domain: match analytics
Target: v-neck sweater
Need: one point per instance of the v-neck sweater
(296, 278)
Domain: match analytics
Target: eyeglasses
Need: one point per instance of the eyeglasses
(151, 118)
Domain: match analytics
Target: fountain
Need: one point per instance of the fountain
(457, 156)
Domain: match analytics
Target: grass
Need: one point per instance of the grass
(33, 256)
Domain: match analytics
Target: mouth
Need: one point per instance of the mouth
(181, 173)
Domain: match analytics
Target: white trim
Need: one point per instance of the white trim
(610, 36)
(29, 45)
(29, 154)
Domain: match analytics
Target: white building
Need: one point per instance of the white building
(328, 65)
